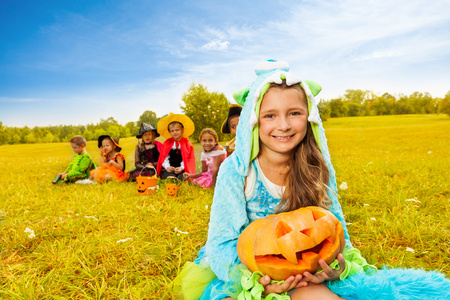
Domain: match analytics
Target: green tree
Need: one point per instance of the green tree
(356, 96)
(206, 109)
(134, 130)
(324, 110)
(48, 138)
(105, 124)
(30, 138)
(3, 136)
(113, 131)
(337, 108)
(148, 117)
(99, 132)
(444, 104)
(16, 139)
(402, 106)
(422, 103)
(88, 135)
(353, 109)
(125, 132)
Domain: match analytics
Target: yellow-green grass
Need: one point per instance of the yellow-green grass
(80, 249)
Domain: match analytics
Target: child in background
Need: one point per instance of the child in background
(146, 153)
(112, 162)
(81, 164)
(212, 157)
(177, 155)
(230, 126)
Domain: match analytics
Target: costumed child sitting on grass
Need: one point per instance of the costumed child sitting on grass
(112, 162)
(281, 163)
(177, 155)
(81, 164)
(230, 126)
(147, 152)
(212, 157)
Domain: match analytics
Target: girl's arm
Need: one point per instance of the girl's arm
(228, 219)
(197, 175)
(137, 159)
(102, 158)
(204, 167)
(118, 164)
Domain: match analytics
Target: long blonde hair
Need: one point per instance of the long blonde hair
(308, 175)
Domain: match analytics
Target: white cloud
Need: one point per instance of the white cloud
(216, 45)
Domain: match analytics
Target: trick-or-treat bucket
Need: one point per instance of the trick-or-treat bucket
(147, 185)
(172, 186)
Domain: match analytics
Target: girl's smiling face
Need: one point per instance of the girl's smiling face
(283, 120)
(107, 146)
(148, 137)
(208, 142)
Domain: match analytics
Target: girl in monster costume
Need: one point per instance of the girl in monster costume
(279, 140)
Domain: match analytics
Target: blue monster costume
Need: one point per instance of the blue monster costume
(218, 273)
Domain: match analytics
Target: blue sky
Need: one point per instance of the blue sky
(75, 62)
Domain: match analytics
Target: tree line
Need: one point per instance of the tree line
(206, 109)
(63, 133)
(366, 103)
(210, 109)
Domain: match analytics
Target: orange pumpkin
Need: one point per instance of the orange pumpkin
(291, 243)
(147, 185)
(172, 186)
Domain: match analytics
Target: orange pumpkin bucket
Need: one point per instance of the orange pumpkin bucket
(172, 186)
(147, 185)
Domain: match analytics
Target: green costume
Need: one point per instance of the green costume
(79, 168)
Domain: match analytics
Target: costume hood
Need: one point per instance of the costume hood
(247, 146)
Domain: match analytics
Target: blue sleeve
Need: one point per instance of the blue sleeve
(228, 219)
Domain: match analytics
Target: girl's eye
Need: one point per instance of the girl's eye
(269, 116)
(296, 113)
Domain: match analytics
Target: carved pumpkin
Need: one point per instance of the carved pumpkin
(146, 186)
(291, 243)
(172, 186)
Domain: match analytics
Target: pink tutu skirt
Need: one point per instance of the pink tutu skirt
(205, 180)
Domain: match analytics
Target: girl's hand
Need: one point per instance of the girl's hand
(178, 170)
(291, 283)
(328, 273)
(148, 165)
(187, 175)
(170, 169)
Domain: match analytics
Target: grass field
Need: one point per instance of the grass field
(106, 242)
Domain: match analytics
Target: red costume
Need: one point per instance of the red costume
(187, 153)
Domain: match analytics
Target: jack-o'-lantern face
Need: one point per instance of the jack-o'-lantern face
(171, 189)
(291, 243)
(146, 186)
